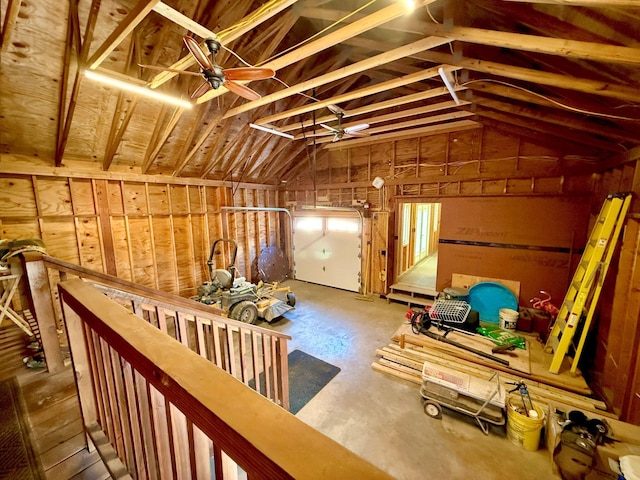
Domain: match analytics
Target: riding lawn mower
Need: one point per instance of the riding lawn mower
(239, 299)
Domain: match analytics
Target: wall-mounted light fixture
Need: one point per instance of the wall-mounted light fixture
(139, 89)
(271, 129)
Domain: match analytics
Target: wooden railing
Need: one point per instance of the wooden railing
(156, 409)
(256, 356)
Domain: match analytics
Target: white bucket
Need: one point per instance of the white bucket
(508, 318)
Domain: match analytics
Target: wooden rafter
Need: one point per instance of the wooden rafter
(395, 54)
(598, 52)
(196, 124)
(243, 26)
(380, 17)
(585, 3)
(399, 115)
(66, 111)
(10, 17)
(150, 158)
(543, 127)
(395, 102)
(373, 89)
(593, 87)
(136, 15)
(557, 118)
(456, 126)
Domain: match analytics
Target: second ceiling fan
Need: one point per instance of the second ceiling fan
(340, 132)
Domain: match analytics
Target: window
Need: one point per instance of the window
(309, 224)
(342, 225)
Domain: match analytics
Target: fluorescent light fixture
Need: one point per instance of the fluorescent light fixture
(448, 82)
(139, 89)
(271, 129)
(410, 4)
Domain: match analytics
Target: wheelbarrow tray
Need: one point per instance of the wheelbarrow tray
(464, 404)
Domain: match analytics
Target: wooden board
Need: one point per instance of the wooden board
(462, 280)
(518, 359)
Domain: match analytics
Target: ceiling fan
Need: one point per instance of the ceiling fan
(339, 132)
(216, 76)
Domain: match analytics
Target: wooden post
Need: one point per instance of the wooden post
(81, 367)
(40, 297)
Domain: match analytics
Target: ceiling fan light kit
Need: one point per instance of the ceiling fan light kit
(271, 129)
(448, 82)
(139, 89)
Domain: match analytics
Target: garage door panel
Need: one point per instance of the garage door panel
(328, 257)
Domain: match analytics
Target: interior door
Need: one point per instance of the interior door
(327, 251)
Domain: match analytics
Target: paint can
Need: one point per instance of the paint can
(508, 318)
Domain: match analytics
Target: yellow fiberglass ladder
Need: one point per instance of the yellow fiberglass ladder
(578, 306)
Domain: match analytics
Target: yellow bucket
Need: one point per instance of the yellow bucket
(521, 429)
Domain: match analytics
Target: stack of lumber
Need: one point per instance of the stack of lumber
(405, 362)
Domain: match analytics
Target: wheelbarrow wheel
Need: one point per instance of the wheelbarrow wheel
(245, 311)
(432, 409)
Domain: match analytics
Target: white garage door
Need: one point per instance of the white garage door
(327, 251)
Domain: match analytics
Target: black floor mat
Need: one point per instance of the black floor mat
(307, 376)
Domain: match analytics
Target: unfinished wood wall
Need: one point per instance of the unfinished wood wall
(154, 234)
(470, 165)
(616, 361)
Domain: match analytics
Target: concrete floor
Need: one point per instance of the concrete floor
(381, 418)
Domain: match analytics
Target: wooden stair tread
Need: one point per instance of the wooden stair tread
(407, 287)
(401, 297)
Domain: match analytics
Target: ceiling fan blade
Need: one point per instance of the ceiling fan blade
(336, 110)
(356, 128)
(174, 70)
(357, 134)
(198, 54)
(331, 129)
(241, 90)
(201, 90)
(248, 73)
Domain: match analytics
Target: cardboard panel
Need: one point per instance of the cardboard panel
(533, 240)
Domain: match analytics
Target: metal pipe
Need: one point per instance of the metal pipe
(271, 209)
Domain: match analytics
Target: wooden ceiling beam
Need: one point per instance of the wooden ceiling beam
(445, 117)
(213, 123)
(482, 87)
(395, 115)
(370, 63)
(67, 110)
(371, 90)
(585, 3)
(579, 139)
(173, 121)
(117, 129)
(593, 87)
(555, 118)
(457, 126)
(136, 15)
(183, 157)
(395, 102)
(598, 52)
(10, 17)
(395, 10)
(230, 34)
